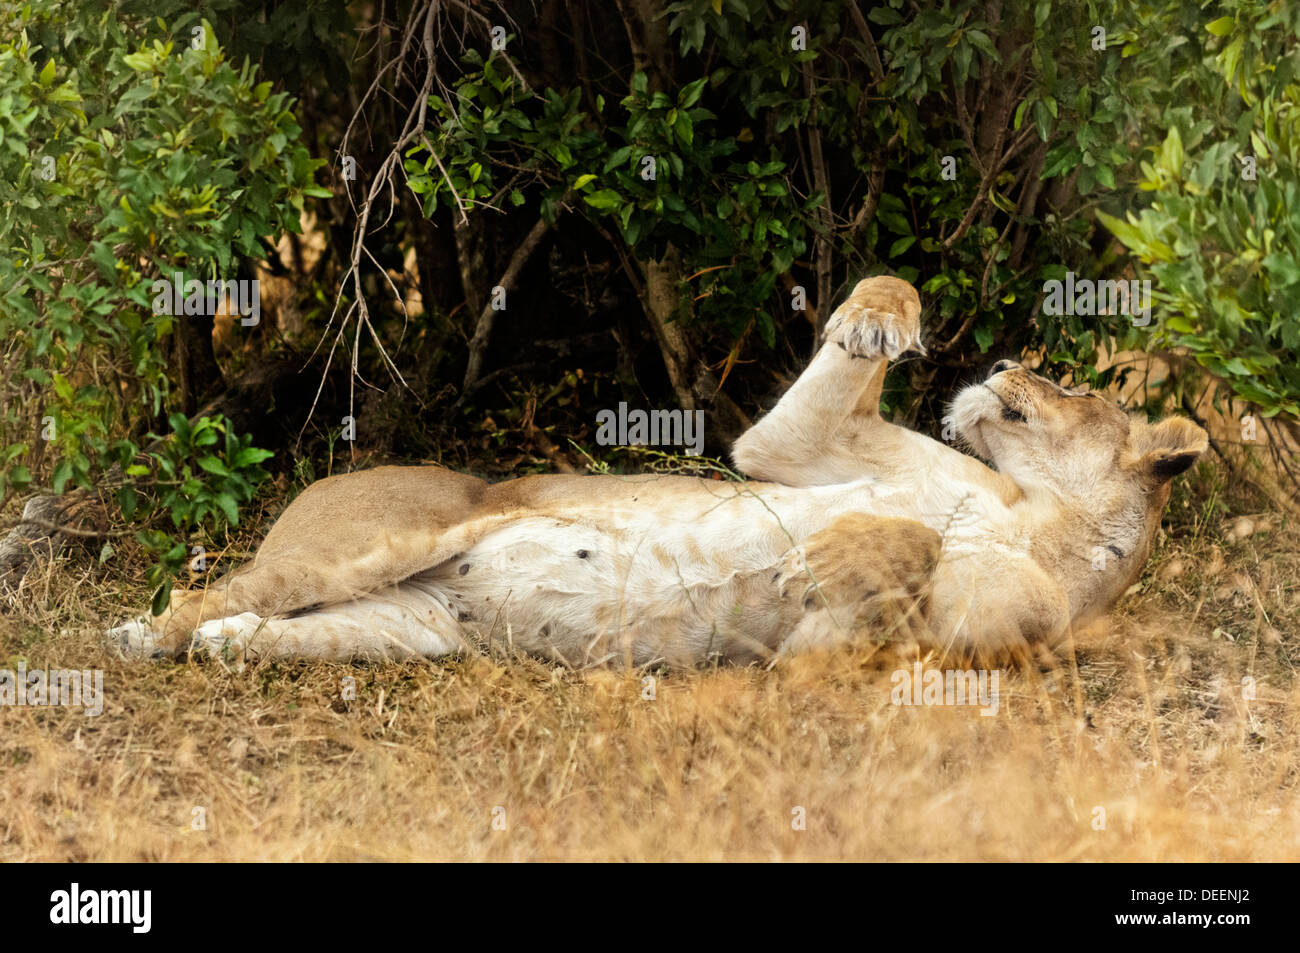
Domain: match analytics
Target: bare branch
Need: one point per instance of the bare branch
(483, 328)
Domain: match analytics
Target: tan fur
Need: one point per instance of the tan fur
(1073, 479)
(851, 524)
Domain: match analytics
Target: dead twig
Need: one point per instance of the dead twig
(487, 317)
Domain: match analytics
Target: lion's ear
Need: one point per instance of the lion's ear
(1166, 449)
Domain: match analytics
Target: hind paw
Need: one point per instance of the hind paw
(137, 638)
(227, 640)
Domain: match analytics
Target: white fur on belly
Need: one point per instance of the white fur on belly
(587, 595)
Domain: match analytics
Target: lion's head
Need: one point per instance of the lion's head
(1044, 436)
(1077, 453)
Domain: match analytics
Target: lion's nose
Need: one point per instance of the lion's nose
(1001, 366)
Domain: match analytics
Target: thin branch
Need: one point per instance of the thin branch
(822, 254)
(873, 54)
(483, 328)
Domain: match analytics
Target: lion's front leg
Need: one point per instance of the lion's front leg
(817, 432)
(868, 575)
(989, 607)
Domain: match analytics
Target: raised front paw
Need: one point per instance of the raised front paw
(882, 318)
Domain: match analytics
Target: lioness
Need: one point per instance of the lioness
(848, 522)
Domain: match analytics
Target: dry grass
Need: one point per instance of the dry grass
(1146, 720)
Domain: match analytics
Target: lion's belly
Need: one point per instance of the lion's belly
(675, 570)
(588, 594)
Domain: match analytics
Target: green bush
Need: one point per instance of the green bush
(129, 150)
(1219, 230)
(1032, 108)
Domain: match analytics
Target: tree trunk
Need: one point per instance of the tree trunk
(193, 366)
(471, 257)
(694, 384)
(661, 299)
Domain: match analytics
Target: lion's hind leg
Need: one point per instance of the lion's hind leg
(862, 575)
(282, 584)
(286, 579)
(412, 619)
(342, 538)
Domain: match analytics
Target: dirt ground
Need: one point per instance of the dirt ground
(1141, 742)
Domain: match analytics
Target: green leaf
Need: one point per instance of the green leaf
(603, 199)
(128, 500)
(1170, 159)
(961, 56)
(229, 507)
(62, 474)
(251, 456)
(1127, 233)
(901, 245)
(684, 129)
(161, 598)
(214, 466)
(980, 40)
(690, 93)
(618, 158)
(1020, 114)
(1043, 119)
